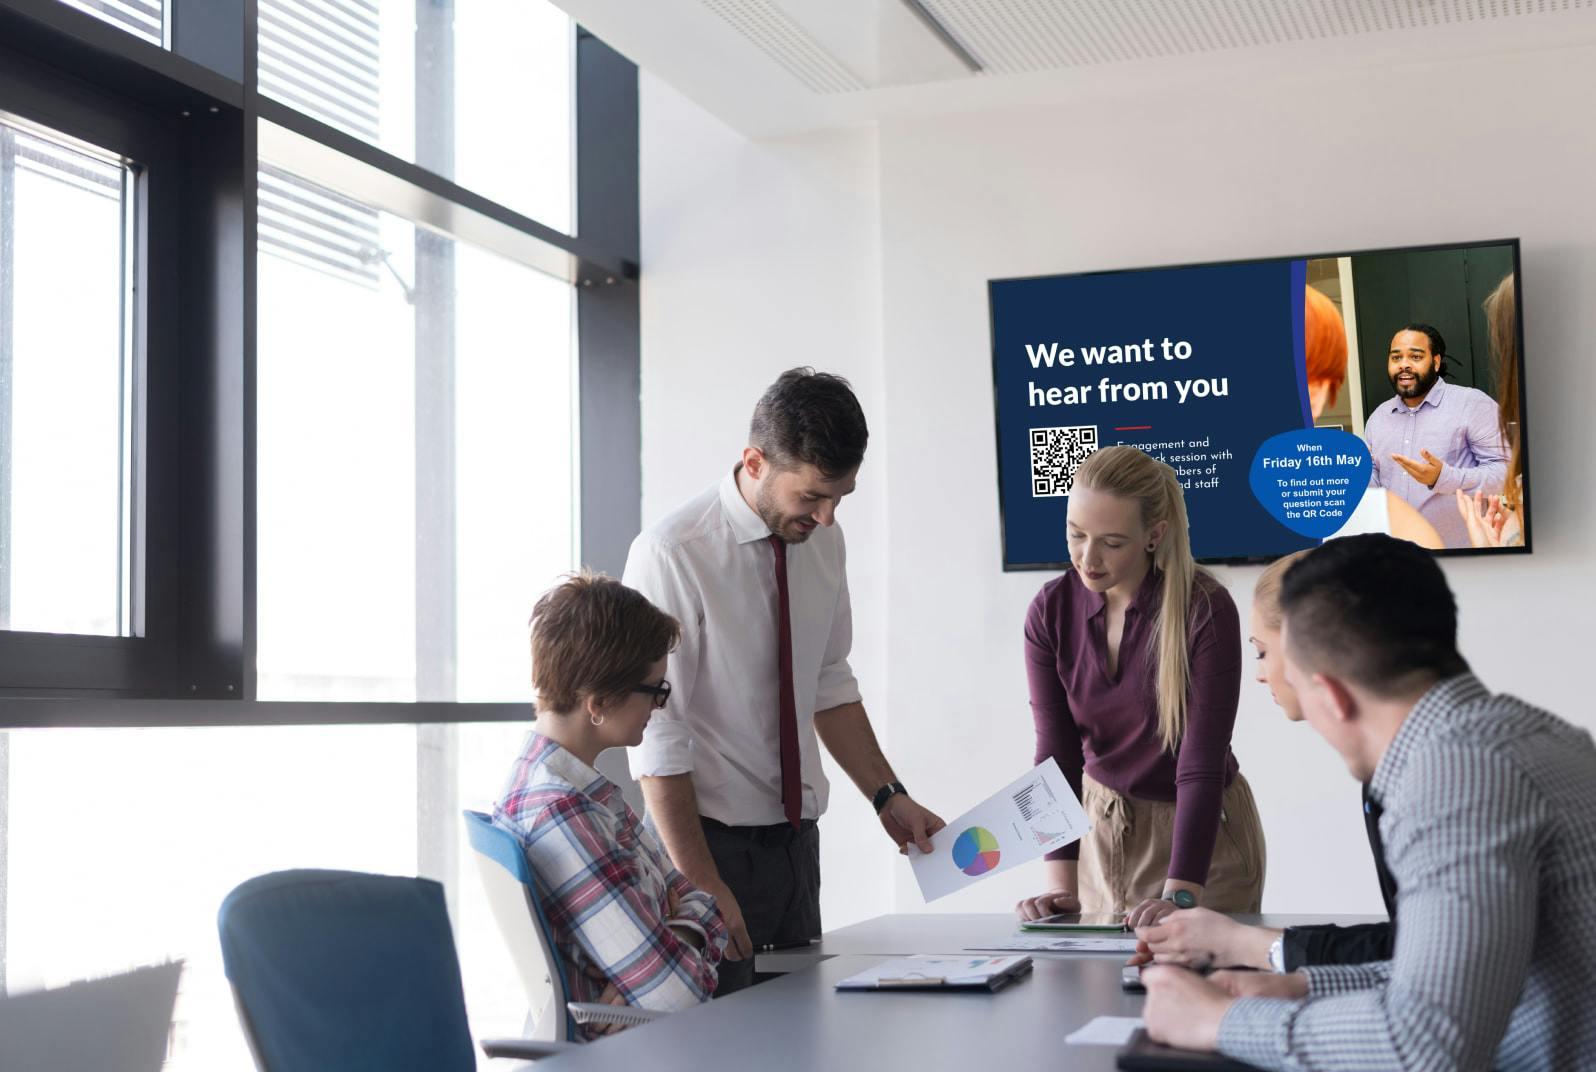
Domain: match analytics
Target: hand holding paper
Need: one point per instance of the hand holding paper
(1031, 816)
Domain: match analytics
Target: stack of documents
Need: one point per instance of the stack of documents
(939, 973)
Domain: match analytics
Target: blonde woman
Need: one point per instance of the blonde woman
(1134, 662)
(1207, 939)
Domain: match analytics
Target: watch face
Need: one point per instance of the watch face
(1184, 899)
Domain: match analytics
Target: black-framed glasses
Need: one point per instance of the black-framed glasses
(660, 692)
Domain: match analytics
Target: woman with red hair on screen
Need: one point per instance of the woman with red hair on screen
(1325, 349)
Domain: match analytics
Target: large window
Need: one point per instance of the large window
(305, 395)
(416, 455)
(141, 18)
(65, 385)
(479, 92)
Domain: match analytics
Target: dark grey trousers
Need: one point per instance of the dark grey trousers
(774, 872)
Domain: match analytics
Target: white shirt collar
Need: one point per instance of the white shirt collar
(745, 524)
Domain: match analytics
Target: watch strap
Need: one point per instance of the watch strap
(886, 793)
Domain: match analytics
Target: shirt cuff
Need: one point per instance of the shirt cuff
(1326, 979)
(1258, 1031)
(691, 925)
(697, 906)
(1450, 480)
(667, 749)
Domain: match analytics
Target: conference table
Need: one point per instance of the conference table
(801, 1022)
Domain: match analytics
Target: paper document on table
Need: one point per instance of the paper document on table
(925, 972)
(1043, 943)
(1105, 1031)
(1030, 817)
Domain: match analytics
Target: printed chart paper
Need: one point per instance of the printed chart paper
(1030, 817)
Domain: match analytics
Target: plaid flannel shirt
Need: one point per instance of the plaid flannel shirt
(605, 884)
(1490, 831)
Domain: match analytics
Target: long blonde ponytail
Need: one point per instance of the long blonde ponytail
(1132, 474)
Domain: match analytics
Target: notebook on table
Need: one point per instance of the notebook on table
(939, 973)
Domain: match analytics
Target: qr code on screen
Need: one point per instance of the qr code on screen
(1055, 455)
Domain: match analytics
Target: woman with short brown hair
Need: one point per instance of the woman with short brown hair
(629, 927)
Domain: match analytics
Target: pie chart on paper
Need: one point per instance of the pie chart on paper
(975, 852)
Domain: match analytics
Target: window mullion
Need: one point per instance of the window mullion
(8, 208)
(437, 610)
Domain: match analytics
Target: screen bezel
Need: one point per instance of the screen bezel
(1251, 560)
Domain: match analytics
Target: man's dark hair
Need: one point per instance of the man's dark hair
(1374, 610)
(1437, 344)
(809, 417)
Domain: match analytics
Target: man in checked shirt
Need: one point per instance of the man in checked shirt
(1490, 831)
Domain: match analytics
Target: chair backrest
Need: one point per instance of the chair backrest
(348, 971)
(512, 891)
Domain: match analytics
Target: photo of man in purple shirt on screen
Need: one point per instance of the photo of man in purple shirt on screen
(1434, 438)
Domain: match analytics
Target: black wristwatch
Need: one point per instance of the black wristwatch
(1183, 899)
(886, 793)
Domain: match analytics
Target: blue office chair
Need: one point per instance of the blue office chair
(347, 971)
(512, 893)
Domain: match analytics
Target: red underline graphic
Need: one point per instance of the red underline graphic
(1134, 428)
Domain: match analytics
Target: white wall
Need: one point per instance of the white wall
(759, 255)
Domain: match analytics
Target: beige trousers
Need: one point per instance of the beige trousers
(1125, 857)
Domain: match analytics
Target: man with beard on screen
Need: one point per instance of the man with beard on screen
(1434, 438)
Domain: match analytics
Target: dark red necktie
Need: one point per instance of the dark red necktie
(792, 790)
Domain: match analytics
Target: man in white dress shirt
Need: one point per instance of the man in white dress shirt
(754, 569)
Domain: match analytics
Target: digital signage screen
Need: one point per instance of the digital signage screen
(1296, 398)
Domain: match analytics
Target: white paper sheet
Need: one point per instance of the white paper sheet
(1026, 819)
(1052, 943)
(1105, 1031)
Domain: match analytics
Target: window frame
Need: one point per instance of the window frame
(194, 109)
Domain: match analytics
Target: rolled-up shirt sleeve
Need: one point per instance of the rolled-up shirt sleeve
(837, 685)
(697, 910)
(652, 567)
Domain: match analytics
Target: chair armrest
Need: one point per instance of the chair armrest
(587, 1012)
(526, 1049)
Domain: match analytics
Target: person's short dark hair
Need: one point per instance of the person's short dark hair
(1374, 610)
(594, 637)
(1437, 344)
(813, 418)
